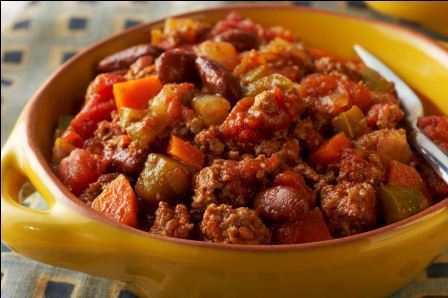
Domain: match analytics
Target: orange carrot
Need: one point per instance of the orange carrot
(135, 94)
(186, 153)
(118, 201)
(331, 150)
(403, 175)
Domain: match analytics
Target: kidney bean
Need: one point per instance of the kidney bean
(280, 204)
(124, 58)
(177, 66)
(218, 79)
(310, 227)
(241, 40)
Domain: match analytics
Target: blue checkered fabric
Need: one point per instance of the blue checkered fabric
(45, 35)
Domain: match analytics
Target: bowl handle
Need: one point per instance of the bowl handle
(21, 226)
(60, 235)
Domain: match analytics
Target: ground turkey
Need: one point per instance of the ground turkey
(352, 167)
(227, 181)
(95, 189)
(350, 207)
(384, 115)
(173, 222)
(209, 142)
(381, 146)
(109, 140)
(223, 224)
(234, 182)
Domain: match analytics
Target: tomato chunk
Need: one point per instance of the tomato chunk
(331, 150)
(118, 201)
(186, 153)
(235, 126)
(95, 110)
(99, 105)
(336, 93)
(73, 138)
(103, 84)
(436, 128)
(79, 169)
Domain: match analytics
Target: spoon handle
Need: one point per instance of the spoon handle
(437, 159)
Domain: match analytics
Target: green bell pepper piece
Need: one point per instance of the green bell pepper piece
(376, 82)
(154, 183)
(267, 83)
(129, 116)
(352, 122)
(399, 202)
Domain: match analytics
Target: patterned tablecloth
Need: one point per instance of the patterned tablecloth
(45, 35)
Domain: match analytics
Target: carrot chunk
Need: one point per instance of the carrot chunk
(118, 201)
(331, 150)
(406, 176)
(186, 153)
(135, 94)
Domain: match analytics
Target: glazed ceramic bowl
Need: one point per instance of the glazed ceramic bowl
(71, 235)
(432, 14)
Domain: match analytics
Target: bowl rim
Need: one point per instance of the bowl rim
(29, 117)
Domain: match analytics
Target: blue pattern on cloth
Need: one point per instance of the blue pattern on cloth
(47, 34)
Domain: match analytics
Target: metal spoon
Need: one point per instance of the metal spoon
(436, 158)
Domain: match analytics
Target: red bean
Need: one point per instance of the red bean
(177, 66)
(281, 204)
(124, 58)
(310, 227)
(241, 40)
(219, 80)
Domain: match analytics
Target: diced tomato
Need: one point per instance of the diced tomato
(234, 20)
(186, 153)
(94, 111)
(336, 93)
(294, 180)
(135, 94)
(331, 150)
(234, 127)
(403, 175)
(73, 138)
(79, 169)
(99, 105)
(318, 85)
(310, 227)
(271, 111)
(118, 201)
(359, 95)
(319, 53)
(102, 85)
(436, 128)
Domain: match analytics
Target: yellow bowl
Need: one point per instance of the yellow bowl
(373, 264)
(432, 14)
